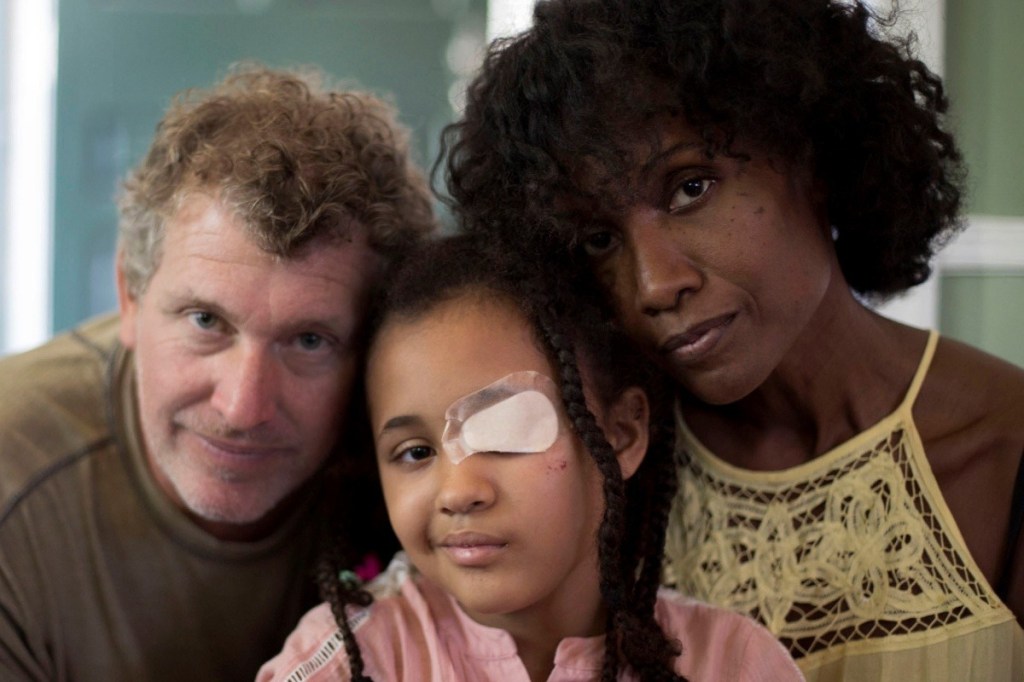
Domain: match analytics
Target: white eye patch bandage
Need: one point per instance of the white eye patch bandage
(514, 414)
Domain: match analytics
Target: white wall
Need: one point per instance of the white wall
(26, 224)
(505, 17)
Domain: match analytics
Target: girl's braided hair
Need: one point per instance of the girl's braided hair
(354, 528)
(570, 326)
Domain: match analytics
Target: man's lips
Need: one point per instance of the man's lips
(242, 448)
(697, 340)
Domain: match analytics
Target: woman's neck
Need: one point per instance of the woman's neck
(847, 370)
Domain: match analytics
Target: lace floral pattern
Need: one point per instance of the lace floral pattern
(850, 550)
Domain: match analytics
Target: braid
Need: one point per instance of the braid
(658, 504)
(654, 488)
(609, 534)
(629, 593)
(340, 593)
(356, 494)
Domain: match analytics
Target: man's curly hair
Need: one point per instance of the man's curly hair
(294, 159)
(814, 83)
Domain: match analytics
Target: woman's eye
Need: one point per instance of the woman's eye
(599, 242)
(689, 191)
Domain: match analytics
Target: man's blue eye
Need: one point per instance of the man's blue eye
(204, 320)
(311, 341)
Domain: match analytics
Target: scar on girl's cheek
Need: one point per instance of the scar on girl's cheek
(560, 465)
(759, 211)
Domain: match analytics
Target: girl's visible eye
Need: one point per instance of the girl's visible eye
(204, 319)
(413, 454)
(689, 191)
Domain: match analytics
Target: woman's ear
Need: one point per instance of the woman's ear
(626, 425)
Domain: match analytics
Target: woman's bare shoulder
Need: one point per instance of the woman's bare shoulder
(968, 391)
(970, 415)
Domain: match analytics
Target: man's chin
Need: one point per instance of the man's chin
(233, 517)
(229, 507)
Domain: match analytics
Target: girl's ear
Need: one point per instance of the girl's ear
(626, 425)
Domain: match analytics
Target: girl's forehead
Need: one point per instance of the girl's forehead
(450, 351)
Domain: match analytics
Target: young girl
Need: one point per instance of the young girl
(526, 459)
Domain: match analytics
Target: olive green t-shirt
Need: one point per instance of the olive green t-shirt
(101, 578)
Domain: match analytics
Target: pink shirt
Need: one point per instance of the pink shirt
(414, 631)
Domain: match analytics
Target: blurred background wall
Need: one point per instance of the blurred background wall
(83, 83)
(982, 276)
(115, 66)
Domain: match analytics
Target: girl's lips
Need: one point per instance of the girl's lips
(475, 556)
(471, 550)
(698, 340)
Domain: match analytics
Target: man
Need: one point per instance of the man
(159, 470)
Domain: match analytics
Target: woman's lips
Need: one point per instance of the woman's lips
(697, 341)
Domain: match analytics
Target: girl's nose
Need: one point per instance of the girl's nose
(465, 487)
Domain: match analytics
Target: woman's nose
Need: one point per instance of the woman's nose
(663, 271)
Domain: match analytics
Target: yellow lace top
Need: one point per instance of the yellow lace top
(852, 559)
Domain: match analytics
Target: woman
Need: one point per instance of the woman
(741, 176)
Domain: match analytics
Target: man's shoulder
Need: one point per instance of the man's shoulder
(54, 405)
(94, 340)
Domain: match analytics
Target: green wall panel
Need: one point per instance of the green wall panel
(984, 65)
(985, 311)
(119, 63)
(985, 76)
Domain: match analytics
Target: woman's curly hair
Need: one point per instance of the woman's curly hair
(816, 83)
(571, 329)
(294, 159)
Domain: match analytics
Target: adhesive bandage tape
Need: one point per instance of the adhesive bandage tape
(515, 414)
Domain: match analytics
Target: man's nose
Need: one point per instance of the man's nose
(246, 387)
